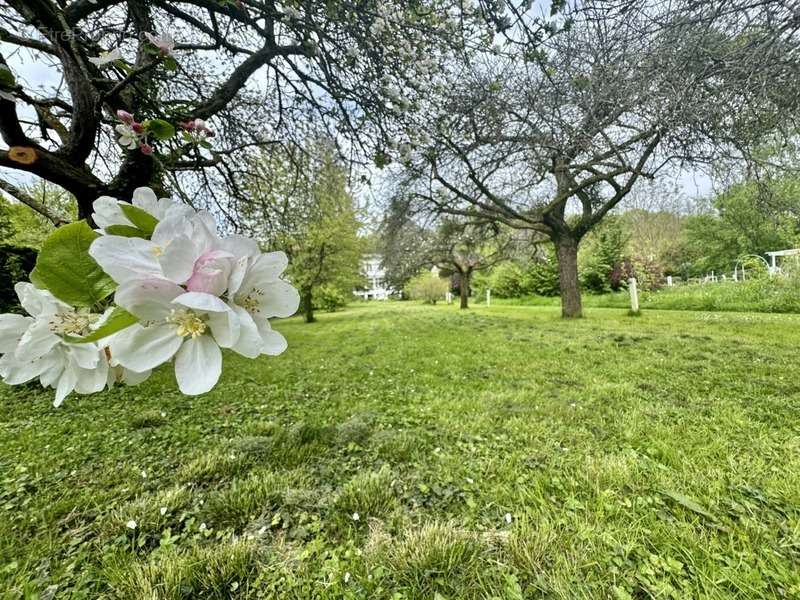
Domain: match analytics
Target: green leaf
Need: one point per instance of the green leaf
(7, 79)
(140, 218)
(161, 129)
(125, 231)
(65, 268)
(170, 64)
(117, 321)
(688, 503)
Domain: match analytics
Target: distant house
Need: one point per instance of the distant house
(375, 276)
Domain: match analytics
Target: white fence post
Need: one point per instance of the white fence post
(669, 280)
(449, 297)
(634, 295)
(488, 298)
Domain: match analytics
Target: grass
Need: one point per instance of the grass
(490, 453)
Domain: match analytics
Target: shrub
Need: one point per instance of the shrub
(427, 287)
(541, 276)
(15, 264)
(330, 298)
(507, 280)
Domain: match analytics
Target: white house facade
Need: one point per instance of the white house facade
(375, 275)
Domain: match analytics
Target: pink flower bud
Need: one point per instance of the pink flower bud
(125, 116)
(137, 127)
(211, 272)
(188, 125)
(146, 148)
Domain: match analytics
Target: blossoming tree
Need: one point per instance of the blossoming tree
(173, 93)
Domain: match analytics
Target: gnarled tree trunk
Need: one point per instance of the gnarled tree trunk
(463, 288)
(567, 253)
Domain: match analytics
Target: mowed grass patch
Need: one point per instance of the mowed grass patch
(489, 453)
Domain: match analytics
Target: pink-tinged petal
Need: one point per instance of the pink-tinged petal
(146, 199)
(178, 258)
(249, 343)
(37, 302)
(141, 348)
(211, 272)
(279, 300)
(37, 341)
(107, 212)
(12, 327)
(198, 365)
(273, 343)
(124, 258)
(147, 299)
(239, 246)
(201, 302)
(224, 327)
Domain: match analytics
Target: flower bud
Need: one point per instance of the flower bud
(137, 127)
(146, 148)
(125, 116)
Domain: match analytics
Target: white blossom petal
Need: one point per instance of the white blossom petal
(94, 380)
(148, 299)
(146, 199)
(15, 372)
(37, 341)
(142, 348)
(225, 327)
(124, 258)
(198, 365)
(280, 299)
(239, 246)
(273, 343)
(12, 327)
(37, 302)
(86, 356)
(202, 302)
(249, 343)
(107, 213)
(66, 384)
(178, 258)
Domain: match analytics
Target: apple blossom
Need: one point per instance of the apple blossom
(107, 211)
(128, 137)
(106, 58)
(34, 347)
(189, 326)
(165, 43)
(177, 243)
(255, 294)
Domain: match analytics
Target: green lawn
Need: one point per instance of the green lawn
(406, 451)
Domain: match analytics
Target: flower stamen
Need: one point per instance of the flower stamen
(187, 322)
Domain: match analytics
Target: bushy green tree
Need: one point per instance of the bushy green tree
(748, 218)
(428, 287)
(312, 217)
(602, 253)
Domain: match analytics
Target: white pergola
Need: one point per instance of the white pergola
(773, 263)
